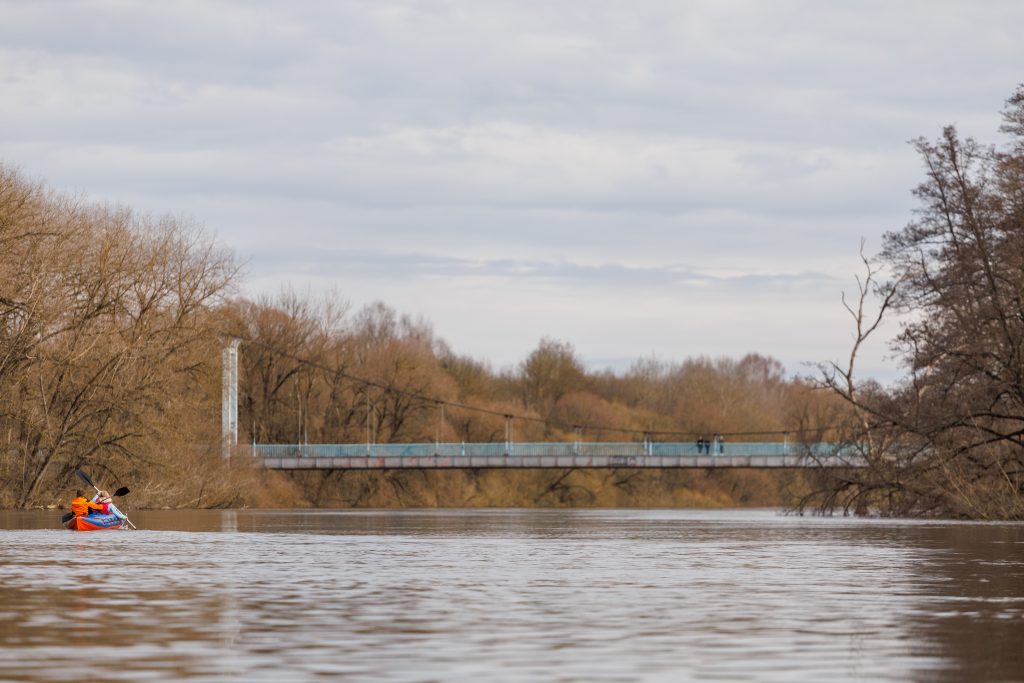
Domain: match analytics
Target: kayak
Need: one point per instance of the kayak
(95, 523)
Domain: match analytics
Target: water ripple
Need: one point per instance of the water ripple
(512, 596)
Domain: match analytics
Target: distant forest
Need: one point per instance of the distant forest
(112, 326)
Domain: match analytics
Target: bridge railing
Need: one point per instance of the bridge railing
(454, 450)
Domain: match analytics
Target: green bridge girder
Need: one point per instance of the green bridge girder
(553, 455)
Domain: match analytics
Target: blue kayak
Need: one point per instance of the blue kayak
(95, 522)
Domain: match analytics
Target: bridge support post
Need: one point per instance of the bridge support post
(440, 428)
(229, 397)
(508, 435)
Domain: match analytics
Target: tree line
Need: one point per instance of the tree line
(304, 364)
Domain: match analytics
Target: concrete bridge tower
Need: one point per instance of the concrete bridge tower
(229, 397)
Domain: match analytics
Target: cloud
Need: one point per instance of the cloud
(550, 166)
(410, 267)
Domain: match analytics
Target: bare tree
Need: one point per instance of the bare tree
(949, 439)
(104, 314)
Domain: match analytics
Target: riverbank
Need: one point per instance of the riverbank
(248, 487)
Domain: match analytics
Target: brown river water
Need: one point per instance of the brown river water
(510, 595)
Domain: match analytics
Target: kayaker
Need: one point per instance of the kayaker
(82, 506)
(103, 498)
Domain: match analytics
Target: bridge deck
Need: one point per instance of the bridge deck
(549, 455)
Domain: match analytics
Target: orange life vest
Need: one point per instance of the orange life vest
(80, 506)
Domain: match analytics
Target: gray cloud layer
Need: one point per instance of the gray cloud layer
(519, 169)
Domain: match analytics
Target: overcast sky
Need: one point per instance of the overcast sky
(637, 178)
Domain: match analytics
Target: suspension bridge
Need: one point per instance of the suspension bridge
(648, 453)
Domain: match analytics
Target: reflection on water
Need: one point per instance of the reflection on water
(510, 595)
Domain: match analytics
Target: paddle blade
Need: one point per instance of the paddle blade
(85, 477)
(123, 491)
(67, 518)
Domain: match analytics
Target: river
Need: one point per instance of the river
(510, 595)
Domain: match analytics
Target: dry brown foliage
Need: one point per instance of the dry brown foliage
(103, 330)
(949, 439)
